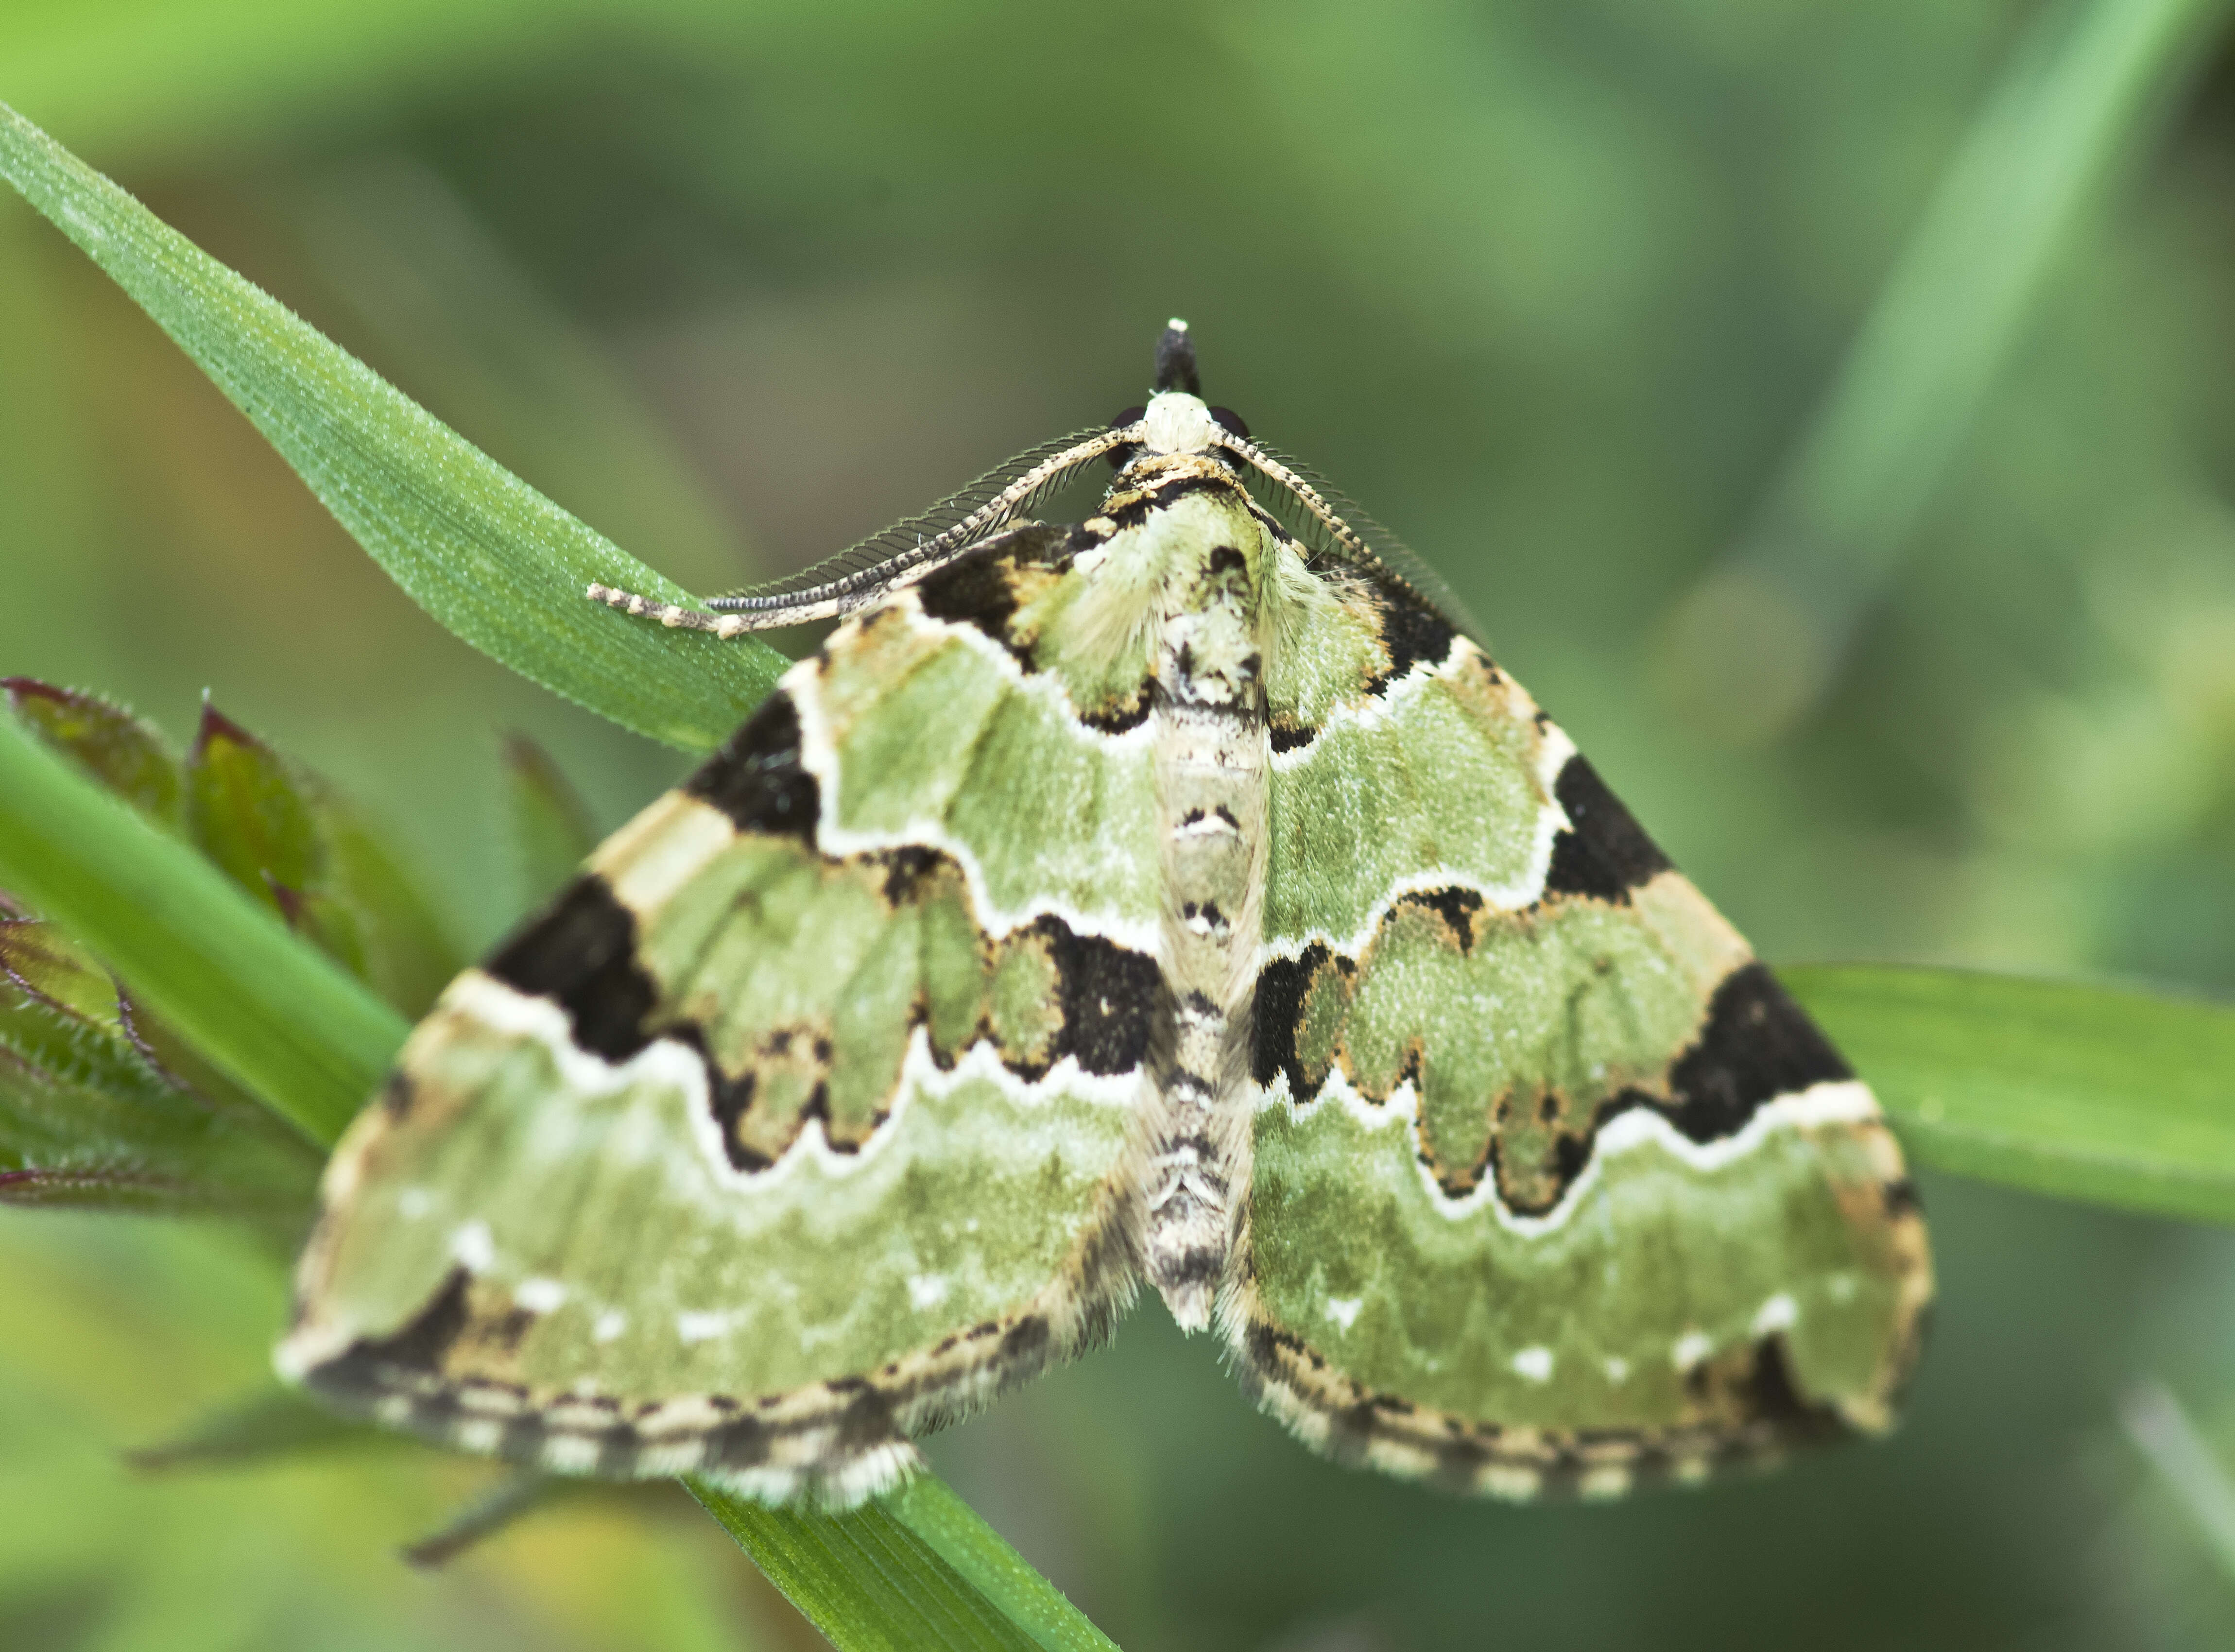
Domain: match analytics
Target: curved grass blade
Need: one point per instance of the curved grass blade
(2083, 1091)
(2159, 1427)
(2083, 93)
(871, 1582)
(492, 559)
(929, 1507)
(270, 1011)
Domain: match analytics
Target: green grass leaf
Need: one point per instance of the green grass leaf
(1759, 641)
(280, 1019)
(2084, 84)
(2083, 1091)
(916, 1571)
(495, 561)
(951, 1528)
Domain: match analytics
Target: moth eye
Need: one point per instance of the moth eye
(1230, 422)
(1120, 457)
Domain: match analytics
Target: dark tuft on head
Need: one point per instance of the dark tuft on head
(1176, 360)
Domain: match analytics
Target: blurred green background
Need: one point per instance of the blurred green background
(1825, 405)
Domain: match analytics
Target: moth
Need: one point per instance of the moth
(1182, 897)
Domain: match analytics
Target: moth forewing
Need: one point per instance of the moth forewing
(752, 1155)
(1553, 1189)
(1153, 899)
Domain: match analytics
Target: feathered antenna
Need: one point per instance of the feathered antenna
(908, 551)
(1345, 530)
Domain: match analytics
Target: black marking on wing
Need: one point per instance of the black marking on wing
(1767, 1394)
(1753, 1044)
(1526, 1190)
(1603, 852)
(867, 1420)
(977, 590)
(1106, 1001)
(1457, 907)
(1029, 1339)
(1117, 716)
(396, 1096)
(582, 953)
(1110, 998)
(1278, 1020)
(756, 778)
(742, 1442)
(1748, 1410)
(360, 1371)
(1757, 1043)
(980, 590)
(1412, 633)
(425, 1377)
(909, 870)
(729, 1098)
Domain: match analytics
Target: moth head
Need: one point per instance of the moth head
(1177, 421)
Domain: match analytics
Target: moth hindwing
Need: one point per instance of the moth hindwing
(1174, 898)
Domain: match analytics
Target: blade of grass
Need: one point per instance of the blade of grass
(2083, 1091)
(2170, 1442)
(2085, 85)
(2083, 82)
(492, 559)
(459, 319)
(929, 1507)
(869, 1582)
(279, 1018)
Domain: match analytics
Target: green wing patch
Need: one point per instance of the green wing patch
(938, 726)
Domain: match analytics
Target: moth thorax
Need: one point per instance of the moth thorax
(1177, 422)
